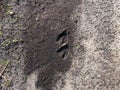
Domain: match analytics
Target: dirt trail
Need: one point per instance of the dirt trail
(60, 44)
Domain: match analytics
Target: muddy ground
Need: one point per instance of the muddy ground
(49, 40)
(43, 30)
(59, 45)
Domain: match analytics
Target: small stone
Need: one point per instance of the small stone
(11, 12)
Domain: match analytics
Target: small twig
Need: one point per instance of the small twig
(4, 69)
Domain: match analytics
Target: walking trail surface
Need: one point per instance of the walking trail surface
(60, 44)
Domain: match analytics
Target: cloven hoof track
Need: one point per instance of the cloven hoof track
(64, 47)
(47, 40)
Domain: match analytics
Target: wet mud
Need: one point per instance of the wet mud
(48, 39)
